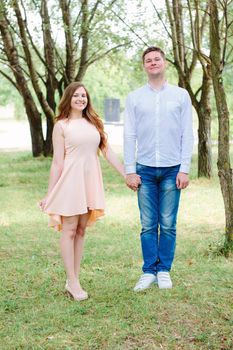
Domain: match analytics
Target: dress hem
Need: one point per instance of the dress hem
(56, 222)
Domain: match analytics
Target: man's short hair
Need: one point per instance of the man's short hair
(153, 48)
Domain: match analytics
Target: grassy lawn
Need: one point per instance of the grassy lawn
(35, 312)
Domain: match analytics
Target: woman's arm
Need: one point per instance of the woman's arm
(58, 160)
(112, 158)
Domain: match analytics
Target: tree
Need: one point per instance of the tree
(220, 51)
(40, 66)
(187, 48)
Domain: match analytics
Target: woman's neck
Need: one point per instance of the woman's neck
(76, 115)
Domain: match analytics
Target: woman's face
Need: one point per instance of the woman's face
(79, 99)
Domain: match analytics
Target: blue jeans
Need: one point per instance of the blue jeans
(158, 201)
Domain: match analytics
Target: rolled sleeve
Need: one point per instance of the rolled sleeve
(129, 137)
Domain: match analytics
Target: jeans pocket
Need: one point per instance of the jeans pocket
(139, 167)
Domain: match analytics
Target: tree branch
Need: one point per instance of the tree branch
(89, 62)
(93, 12)
(128, 26)
(30, 37)
(161, 20)
(68, 29)
(33, 74)
(225, 19)
(10, 79)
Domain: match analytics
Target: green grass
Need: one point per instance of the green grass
(36, 313)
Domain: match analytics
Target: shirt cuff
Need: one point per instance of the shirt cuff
(130, 169)
(184, 168)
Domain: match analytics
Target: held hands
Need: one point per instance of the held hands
(133, 181)
(182, 180)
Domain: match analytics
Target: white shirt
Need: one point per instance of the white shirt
(158, 128)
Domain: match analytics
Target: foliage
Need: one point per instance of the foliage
(47, 45)
(114, 76)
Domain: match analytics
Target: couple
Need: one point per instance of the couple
(158, 123)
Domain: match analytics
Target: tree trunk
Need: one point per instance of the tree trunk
(33, 114)
(224, 166)
(204, 129)
(203, 111)
(70, 50)
(35, 124)
(204, 144)
(30, 63)
(85, 39)
(48, 146)
(185, 69)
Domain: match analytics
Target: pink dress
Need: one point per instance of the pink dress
(79, 190)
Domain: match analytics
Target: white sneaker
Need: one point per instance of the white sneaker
(145, 281)
(164, 280)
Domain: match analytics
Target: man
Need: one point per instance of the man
(158, 122)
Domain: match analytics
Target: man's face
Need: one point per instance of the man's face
(154, 64)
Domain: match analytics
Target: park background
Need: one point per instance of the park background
(35, 312)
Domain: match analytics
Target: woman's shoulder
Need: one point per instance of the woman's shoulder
(61, 123)
(60, 126)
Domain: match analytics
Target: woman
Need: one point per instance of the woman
(75, 197)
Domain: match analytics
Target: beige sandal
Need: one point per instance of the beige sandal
(76, 296)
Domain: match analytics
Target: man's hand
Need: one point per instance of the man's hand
(133, 181)
(182, 180)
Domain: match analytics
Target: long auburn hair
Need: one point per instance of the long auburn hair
(88, 113)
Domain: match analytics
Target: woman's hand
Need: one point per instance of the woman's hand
(133, 181)
(42, 203)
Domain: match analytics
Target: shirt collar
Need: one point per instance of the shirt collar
(161, 88)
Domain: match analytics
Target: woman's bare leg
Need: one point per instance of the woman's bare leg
(79, 244)
(69, 230)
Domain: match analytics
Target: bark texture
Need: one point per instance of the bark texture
(33, 114)
(224, 165)
(185, 62)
